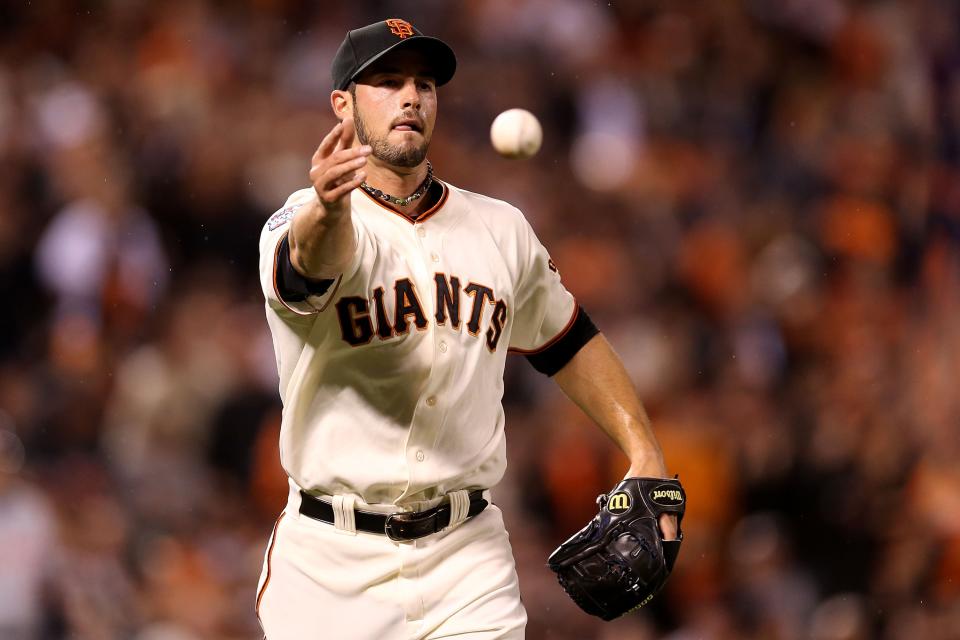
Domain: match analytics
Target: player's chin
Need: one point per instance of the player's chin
(409, 152)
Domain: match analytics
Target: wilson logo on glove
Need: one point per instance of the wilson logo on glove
(618, 503)
(667, 497)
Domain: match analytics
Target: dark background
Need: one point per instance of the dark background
(758, 202)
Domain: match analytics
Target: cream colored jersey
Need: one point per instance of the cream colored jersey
(392, 380)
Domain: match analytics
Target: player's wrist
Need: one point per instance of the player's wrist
(328, 213)
(647, 466)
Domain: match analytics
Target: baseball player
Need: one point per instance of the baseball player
(393, 299)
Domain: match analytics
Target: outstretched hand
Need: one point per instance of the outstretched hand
(337, 168)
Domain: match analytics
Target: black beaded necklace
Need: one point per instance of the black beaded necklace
(416, 195)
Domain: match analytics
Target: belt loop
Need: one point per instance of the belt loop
(343, 515)
(459, 506)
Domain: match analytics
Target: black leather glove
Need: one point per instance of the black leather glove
(619, 561)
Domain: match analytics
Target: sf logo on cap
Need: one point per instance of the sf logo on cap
(400, 28)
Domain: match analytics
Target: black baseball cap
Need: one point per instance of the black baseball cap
(364, 46)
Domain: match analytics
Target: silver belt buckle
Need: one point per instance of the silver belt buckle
(393, 529)
(401, 527)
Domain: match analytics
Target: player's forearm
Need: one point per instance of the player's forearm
(321, 244)
(597, 382)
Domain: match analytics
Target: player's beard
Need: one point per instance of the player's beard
(396, 155)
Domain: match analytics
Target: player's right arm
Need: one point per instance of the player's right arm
(322, 239)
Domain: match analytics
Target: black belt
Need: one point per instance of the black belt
(396, 526)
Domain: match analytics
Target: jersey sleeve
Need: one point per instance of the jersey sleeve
(284, 288)
(544, 309)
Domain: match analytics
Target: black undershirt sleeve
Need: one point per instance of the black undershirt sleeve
(557, 355)
(292, 286)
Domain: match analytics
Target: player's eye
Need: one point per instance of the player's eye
(424, 85)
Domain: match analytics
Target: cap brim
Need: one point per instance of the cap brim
(442, 60)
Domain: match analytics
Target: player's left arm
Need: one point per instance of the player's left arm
(596, 380)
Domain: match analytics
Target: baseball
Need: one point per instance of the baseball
(516, 133)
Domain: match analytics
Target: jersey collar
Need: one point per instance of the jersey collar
(423, 216)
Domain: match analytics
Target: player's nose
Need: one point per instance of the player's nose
(410, 96)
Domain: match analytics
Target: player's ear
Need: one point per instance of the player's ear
(342, 103)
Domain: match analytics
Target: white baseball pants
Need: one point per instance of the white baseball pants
(320, 581)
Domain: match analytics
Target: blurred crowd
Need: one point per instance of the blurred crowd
(758, 202)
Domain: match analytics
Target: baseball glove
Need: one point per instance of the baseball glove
(619, 561)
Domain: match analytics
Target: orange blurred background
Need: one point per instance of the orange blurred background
(758, 203)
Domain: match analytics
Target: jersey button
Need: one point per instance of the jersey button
(421, 232)
(420, 456)
(443, 347)
(432, 400)
(435, 257)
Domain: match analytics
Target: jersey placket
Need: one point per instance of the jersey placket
(431, 405)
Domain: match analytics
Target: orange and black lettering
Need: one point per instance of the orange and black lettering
(479, 293)
(407, 303)
(497, 322)
(355, 326)
(447, 300)
(384, 330)
(400, 28)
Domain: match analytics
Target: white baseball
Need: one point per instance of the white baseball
(516, 133)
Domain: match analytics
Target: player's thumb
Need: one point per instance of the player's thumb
(668, 526)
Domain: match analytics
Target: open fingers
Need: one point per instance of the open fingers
(346, 187)
(345, 178)
(332, 175)
(348, 155)
(337, 166)
(329, 142)
(347, 132)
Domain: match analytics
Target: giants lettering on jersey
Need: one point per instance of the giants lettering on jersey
(363, 318)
